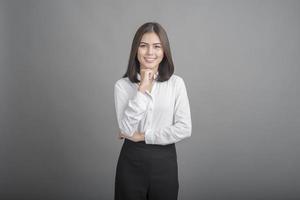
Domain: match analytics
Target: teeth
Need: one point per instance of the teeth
(149, 59)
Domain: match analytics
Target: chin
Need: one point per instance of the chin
(147, 66)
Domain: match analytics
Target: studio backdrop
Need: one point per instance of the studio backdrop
(59, 62)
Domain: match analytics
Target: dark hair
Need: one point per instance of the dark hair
(166, 66)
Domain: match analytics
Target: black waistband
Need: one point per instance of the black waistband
(142, 144)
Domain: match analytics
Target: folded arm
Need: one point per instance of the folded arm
(129, 111)
(182, 127)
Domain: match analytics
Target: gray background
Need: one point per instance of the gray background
(59, 62)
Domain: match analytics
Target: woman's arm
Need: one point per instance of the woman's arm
(129, 111)
(182, 127)
(136, 137)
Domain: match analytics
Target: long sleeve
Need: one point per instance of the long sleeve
(130, 108)
(182, 127)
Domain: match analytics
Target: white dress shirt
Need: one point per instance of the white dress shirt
(162, 114)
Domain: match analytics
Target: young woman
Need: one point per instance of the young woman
(153, 113)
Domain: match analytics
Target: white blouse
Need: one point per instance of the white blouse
(162, 114)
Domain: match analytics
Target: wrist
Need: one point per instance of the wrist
(142, 89)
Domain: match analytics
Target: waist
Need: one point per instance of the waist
(143, 145)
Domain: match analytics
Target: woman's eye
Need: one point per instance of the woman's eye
(157, 47)
(142, 45)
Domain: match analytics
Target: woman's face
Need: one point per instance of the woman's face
(150, 51)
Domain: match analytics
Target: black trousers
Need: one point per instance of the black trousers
(146, 172)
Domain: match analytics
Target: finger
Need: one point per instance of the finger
(149, 74)
(121, 136)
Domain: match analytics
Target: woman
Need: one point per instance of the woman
(153, 113)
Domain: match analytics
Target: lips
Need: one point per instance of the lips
(150, 59)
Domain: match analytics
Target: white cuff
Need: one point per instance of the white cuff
(149, 136)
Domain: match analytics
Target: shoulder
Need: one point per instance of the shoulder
(176, 80)
(123, 83)
(178, 84)
(175, 77)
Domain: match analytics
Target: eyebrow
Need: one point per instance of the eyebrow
(153, 43)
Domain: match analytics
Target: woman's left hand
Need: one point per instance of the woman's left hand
(136, 137)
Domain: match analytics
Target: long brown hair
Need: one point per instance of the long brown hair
(166, 66)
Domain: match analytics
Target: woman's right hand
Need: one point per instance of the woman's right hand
(147, 77)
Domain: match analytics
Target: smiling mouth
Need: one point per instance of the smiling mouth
(150, 59)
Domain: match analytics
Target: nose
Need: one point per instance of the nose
(150, 50)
